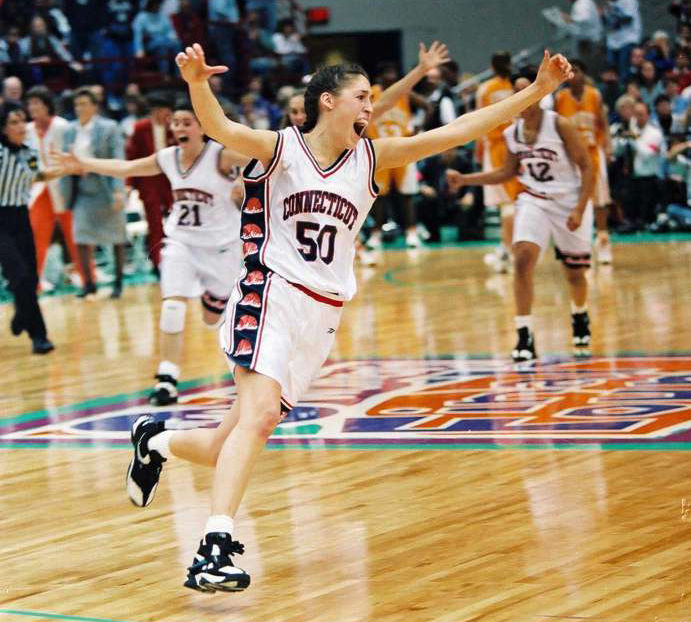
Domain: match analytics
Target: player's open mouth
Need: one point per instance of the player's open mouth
(359, 127)
(183, 139)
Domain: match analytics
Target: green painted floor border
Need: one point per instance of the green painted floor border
(54, 616)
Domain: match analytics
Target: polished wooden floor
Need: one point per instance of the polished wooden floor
(346, 535)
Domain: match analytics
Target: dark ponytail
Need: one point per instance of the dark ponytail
(327, 79)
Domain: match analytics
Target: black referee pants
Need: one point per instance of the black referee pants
(18, 263)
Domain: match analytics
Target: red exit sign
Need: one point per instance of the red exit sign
(318, 15)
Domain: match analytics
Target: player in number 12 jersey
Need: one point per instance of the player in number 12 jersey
(549, 157)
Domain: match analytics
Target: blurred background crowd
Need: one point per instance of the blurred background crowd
(117, 57)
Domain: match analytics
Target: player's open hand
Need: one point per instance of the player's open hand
(574, 220)
(438, 54)
(68, 163)
(193, 65)
(455, 180)
(553, 71)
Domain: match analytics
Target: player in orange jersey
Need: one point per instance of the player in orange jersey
(582, 102)
(491, 153)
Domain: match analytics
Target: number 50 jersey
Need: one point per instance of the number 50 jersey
(545, 169)
(203, 212)
(300, 220)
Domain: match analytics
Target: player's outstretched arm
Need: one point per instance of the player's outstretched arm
(578, 154)
(141, 167)
(438, 54)
(457, 180)
(395, 152)
(257, 144)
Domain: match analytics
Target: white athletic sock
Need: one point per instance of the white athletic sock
(524, 321)
(168, 368)
(219, 523)
(161, 443)
(576, 309)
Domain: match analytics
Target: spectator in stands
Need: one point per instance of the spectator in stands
(294, 110)
(56, 21)
(149, 136)
(45, 53)
(97, 202)
(648, 147)
(260, 46)
(252, 114)
(440, 102)
(586, 32)
(189, 26)
(15, 13)
(437, 205)
(682, 69)
(662, 116)
(681, 9)
(660, 53)
(224, 18)
(263, 99)
(679, 158)
(117, 40)
(154, 35)
(266, 9)
(135, 105)
(289, 47)
(86, 20)
(619, 171)
(217, 88)
(12, 59)
(47, 209)
(636, 60)
(610, 88)
(678, 104)
(650, 85)
(12, 89)
(633, 89)
(622, 20)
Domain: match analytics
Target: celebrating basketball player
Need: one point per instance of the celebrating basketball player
(202, 248)
(308, 192)
(549, 156)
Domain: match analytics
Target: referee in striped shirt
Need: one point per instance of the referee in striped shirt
(18, 170)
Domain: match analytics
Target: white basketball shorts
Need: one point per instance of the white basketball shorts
(279, 329)
(189, 271)
(540, 220)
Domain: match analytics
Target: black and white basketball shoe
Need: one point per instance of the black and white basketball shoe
(165, 391)
(145, 468)
(525, 346)
(213, 569)
(580, 326)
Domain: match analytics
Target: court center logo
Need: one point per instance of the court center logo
(623, 401)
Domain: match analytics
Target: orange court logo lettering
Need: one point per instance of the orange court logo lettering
(624, 402)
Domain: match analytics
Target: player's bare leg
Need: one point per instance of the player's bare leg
(580, 321)
(525, 257)
(259, 411)
(200, 445)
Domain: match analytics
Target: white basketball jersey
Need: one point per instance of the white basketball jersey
(545, 167)
(301, 221)
(203, 212)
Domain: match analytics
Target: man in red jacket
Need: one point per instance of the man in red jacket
(151, 135)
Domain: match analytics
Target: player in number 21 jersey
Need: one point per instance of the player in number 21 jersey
(549, 157)
(201, 254)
